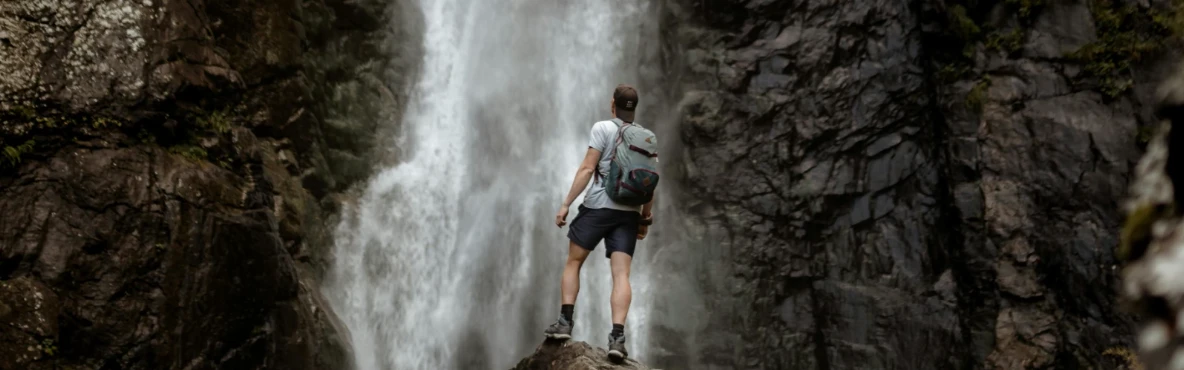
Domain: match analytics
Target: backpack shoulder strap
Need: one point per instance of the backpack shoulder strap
(620, 130)
(621, 126)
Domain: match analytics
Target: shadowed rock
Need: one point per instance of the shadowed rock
(573, 355)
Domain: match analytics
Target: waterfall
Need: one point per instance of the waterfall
(450, 259)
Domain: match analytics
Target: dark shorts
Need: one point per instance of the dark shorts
(617, 228)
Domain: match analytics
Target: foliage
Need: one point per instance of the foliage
(1145, 133)
(1009, 42)
(12, 154)
(961, 25)
(48, 347)
(1136, 230)
(1126, 37)
(191, 152)
(216, 121)
(978, 94)
(1129, 357)
(32, 119)
(1026, 9)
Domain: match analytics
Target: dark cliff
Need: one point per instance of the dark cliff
(916, 184)
(168, 173)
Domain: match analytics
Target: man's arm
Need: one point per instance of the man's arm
(583, 174)
(647, 217)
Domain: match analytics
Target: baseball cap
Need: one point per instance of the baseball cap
(625, 99)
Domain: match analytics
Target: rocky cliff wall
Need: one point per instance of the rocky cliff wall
(916, 184)
(169, 170)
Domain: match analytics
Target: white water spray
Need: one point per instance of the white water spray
(451, 259)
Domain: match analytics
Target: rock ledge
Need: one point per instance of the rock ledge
(573, 355)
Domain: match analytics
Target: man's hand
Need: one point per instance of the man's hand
(561, 217)
(642, 231)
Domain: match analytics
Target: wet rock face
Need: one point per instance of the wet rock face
(31, 310)
(880, 214)
(135, 259)
(171, 209)
(77, 51)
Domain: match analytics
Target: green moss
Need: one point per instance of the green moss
(104, 122)
(1127, 36)
(12, 154)
(1144, 134)
(216, 121)
(961, 24)
(1026, 9)
(977, 96)
(1126, 356)
(48, 347)
(40, 119)
(1171, 21)
(1136, 230)
(191, 152)
(1009, 42)
(951, 73)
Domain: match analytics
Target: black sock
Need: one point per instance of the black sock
(567, 310)
(618, 330)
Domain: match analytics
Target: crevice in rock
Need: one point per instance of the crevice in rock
(818, 309)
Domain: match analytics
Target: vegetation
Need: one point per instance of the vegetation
(48, 347)
(1128, 357)
(1126, 37)
(1136, 230)
(963, 27)
(26, 128)
(1026, 9)
(1008, 43)
(978, 94)
(216, 121)
(1145, 133)
(189, 151)
(966, 31)
(12, 154)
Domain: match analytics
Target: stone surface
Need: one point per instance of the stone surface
(1152, 238)
(173, 210)
(573, 355)
(873, 215)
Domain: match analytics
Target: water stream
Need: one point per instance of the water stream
(450, 259)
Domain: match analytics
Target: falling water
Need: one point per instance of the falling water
(451, 259)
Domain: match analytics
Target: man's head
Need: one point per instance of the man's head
(624, 102)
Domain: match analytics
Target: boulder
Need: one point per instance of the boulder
(573, 355)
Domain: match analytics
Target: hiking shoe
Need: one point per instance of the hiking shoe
(616, 348)
(561, 329)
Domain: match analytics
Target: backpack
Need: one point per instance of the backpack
(633, 165)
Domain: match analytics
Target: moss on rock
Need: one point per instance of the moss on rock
(1136, 230)
(977, 96)
(1127, 35)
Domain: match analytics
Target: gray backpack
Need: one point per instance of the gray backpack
(633, 166)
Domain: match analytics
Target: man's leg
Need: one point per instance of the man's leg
(619, 245)
(622, 292)
(570, 286)
(586, 231)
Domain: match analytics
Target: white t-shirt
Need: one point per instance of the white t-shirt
(604, 137)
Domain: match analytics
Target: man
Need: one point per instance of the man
(601, 218)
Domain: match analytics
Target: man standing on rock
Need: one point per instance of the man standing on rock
(616, 209)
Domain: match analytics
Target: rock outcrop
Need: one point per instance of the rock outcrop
(169, 171)
(573, 355)
(916, 184)
(1151, 244)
